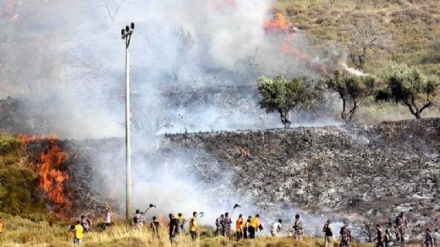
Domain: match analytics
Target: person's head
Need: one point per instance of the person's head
(154, 218)
(345, 223)
(137, 211)
(377, 226)
(240, 216)
(435, 230)
(427, 230)
(194, 213)
(78, 222)
(222, 216)
(171, 216)
(328, 221)
(179, 214)
(297, 216)
(401, 213)
(257, 215)
(226, 214)
(82, 217)
(280, 220)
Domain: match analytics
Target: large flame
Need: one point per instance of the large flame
(51, 177)
(277, 25)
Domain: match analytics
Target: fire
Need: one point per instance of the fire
(51, 177)
(277, 25)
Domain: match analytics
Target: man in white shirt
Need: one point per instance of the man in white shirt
(276, 228)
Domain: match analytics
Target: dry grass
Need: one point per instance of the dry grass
(26, 233)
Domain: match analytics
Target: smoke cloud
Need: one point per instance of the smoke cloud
(193, 68)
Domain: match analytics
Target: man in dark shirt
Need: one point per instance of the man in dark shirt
(173, 229)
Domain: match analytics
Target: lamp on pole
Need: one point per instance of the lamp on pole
(126, 35)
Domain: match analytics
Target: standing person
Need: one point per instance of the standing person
(219, 225)
(401, 226)
(193, 227)
(345, 235)
(154, 226)
(182, 222)
(107, 217)
(253, 226)
(239, 227)
(379, 236)
(227, 225)
(387, 238)
(78, 233)
(138, 219)
(246, 227)
(276, 228)
(2, 226)
(298, 227)
(429, 241)
(328, 233)
(85, 223)
(173, 229)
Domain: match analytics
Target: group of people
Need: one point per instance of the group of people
(247, 228)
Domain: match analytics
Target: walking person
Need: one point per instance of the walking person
(379, 236)
(276, 228)
(328, 233)
(181, 221)
(387, 238)
(298, 228)
(219, 225)
(429, 240)
(401, 226)
(154, 227)
(253, 226)
(246, 227)
(173, 229)
(193, 227)
(345, 236)
(239, 225)
(107, 217)
(86, 223)
(78, 231)
(227, 225)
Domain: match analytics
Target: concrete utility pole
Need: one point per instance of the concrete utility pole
(126, 35)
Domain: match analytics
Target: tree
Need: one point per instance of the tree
(352, 89)
(280, 95)
(364, 35)
(410, 87)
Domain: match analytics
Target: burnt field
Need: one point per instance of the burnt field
(364, 173)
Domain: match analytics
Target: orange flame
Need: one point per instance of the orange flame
(49, 171)
(51, 177)
(277, 25)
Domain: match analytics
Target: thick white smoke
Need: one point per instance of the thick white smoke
(193, 68)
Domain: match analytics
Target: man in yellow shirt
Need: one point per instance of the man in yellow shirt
(78, 231)
(193, 228)
(253, 226)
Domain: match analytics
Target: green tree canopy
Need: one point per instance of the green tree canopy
(352, 89)
(409, 86)
(282, 95)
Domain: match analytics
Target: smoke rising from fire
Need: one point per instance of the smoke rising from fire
(193, 68)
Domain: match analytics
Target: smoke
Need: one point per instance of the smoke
(193, 68)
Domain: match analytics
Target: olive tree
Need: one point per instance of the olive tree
(410, 87)
(281, 95)
(353, 90)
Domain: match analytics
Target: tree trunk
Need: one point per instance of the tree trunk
(285, 118)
